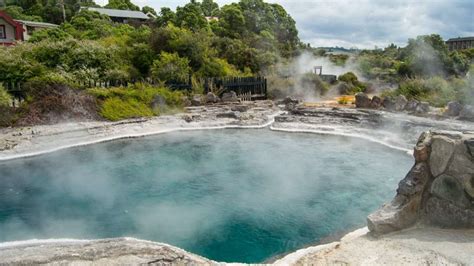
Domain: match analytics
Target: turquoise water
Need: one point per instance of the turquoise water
(229, 195)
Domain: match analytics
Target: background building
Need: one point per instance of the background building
(460, 43)
(12, 31)
(120, 16)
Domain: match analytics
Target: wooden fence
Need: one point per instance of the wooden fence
(248, 88)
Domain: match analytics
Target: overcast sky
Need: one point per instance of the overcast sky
(366, 23)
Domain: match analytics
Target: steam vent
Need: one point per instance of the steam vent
(438, 190)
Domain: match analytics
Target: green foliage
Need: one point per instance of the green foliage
(17, 12)
(115, 109)
(135, 101)
(436, 90)
(231, 21)
(353, 82)
(54, 34)
(148, 9)
(209, 7)
(5, 98)
(313, 82)
(122, 4)
(165, 17)
(191, 17)
(338, 59)
(348, 77)
(89, 25)
(17, 65)
(171, 67)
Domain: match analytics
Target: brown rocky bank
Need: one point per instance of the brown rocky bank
(438, 190)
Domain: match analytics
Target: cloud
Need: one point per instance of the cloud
(367, 23)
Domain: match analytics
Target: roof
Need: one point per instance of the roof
(37, 24)
(461, 39)
(8, 19)
(117, 13)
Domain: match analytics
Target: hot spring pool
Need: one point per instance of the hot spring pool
(229, 195)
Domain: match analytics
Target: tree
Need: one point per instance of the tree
(147, 9)
(427, 56)
(142, 58)
(17, 12)
(89, 25)
(232, 21)
(166, 16)
(190, 16)
(122, 4)
(171, 67)
(209, 7)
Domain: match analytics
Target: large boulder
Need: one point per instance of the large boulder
(230, 97)
(388, 103)
(453, 109)
(196, 100)
(400, 103)
(467, 113)
(411, 105)
(362, 100)
(212, 98)
(422, 108)
(376, 102)
(438, 190)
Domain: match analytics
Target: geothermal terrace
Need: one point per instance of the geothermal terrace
(398, 236)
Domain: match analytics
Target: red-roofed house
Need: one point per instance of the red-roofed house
(11, 31)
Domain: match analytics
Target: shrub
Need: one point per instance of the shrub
(5, 98)
(171, 67)
(135, 101)
(314, 83)
(353, 83)
(117, 109)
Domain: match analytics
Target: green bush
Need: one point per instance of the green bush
(436, 90)
(353, 83)
(5, 98)
(171, 67)
(348, 77)
(135, 101)
(116, 108)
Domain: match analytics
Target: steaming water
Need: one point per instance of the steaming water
(229, 195)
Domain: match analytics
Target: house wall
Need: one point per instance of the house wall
(459, 45)
(10, 30)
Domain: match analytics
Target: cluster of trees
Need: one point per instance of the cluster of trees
(424, 70)
(243, 39)
(425, 56)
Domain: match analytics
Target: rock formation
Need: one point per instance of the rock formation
(438, 190)
(230, 97)
(362, 100)
(119, 251)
